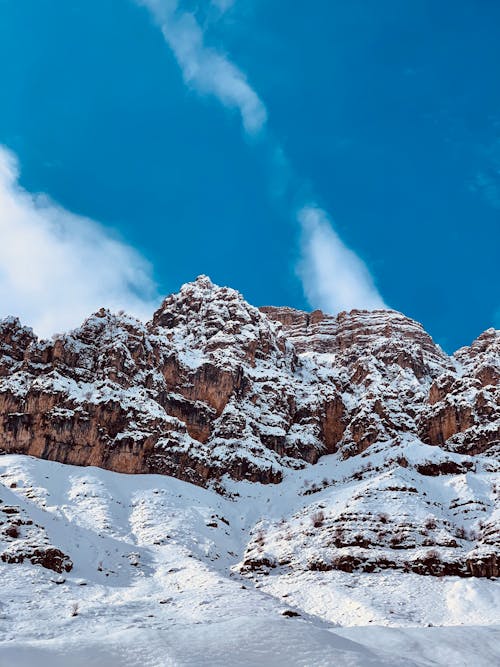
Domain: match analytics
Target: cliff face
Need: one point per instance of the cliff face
(397, 382)
(212, 386)
(463, 408)
(213, 391)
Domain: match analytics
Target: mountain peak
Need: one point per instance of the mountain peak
(214, 391)
(204, 281)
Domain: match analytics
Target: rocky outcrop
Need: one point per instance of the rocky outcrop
(213, 390)
(209, 387)
(392, 518)
(399, 381)
(381, 362)
(463, 409)
(386, 335)
(212, 386)
(14, 341)
(23, 540)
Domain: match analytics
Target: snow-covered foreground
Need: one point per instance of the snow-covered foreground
(156, 581)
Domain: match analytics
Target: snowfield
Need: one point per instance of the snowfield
(158, 577)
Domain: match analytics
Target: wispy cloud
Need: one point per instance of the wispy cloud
(56, 267)
(333, 276)
(487, 179)
(222, 5)
(487, 184)
(203, 68)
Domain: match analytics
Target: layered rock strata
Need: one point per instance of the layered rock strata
(213, 391)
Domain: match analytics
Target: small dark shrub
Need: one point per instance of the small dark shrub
(397, 539)
(318, 519)
(338, 537)
(290, 613)
(259, 538)
(430, 523)
(12, 531)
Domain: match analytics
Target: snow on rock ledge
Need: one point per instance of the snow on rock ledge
(213, 390)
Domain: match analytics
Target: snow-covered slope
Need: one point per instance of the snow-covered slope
(156, 578)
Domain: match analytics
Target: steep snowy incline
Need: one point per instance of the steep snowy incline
(152, 578)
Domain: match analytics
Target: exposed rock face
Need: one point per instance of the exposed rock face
(384, 334)
(463, 411)
(23, 540)
(213, 389)
(381, 362)
(212, 386)
(396, 381)
(209, 387)
(14, 340)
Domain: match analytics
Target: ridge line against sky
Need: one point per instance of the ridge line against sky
(333, 276)
(385, 116)
(58, 267)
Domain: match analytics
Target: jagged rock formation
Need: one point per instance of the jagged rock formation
(213, 389)
(213, 386)
(210, 386)
(395, 380)
(463, 408)
(21, 539)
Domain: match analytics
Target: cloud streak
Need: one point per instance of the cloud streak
(333, 276)
(203, 68)
(222, 5)
(56, 267)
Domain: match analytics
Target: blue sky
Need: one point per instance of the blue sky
(336, 153)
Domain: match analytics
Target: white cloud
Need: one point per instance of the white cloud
(488, 185)
(333, 276)
(203, 68)
(56, 267)
(222, 5)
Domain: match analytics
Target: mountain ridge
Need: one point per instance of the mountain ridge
(219, 393)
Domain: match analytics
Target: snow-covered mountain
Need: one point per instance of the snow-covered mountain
(344, 469)
(151, 570)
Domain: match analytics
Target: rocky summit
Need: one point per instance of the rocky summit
(216, 392)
